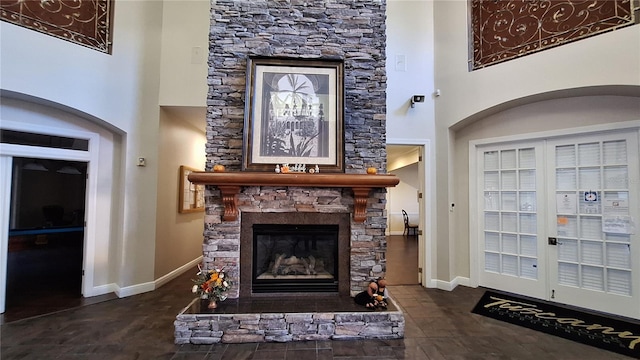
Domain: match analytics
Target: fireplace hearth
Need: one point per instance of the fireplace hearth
(295, 258)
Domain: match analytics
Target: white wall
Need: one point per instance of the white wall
(583, 67)
(610, 58)
(409, 36)
(433, 34)
(185, 50)
(118, 91)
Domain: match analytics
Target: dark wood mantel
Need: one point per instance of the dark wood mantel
(230, 183)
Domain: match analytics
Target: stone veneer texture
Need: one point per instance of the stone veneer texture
(285, 327)
(349, 30)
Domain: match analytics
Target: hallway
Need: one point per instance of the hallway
(402, 260)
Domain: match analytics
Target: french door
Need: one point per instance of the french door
(512, 247)
(593, 202)
(556, 220)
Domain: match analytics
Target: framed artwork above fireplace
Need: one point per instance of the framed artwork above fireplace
(293, 114)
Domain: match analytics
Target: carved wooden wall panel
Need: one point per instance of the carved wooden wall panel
(506, 29)
(84, 22)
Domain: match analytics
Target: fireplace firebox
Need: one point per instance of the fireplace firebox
(320, 243)
(295, 258)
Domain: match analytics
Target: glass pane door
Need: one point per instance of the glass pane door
(591, 265)
(510, 239)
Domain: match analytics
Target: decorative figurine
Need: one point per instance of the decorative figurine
(299, 168)
(277, 169)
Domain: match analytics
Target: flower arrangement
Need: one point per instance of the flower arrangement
(211, 284)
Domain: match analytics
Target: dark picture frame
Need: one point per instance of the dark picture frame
(294, 114)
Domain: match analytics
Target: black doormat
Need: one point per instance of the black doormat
(597, 330)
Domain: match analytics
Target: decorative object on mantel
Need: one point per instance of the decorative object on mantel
(294, 114)
(211, 285)
(218, 168)
(295, 169)
(372, 171)
(231, 183)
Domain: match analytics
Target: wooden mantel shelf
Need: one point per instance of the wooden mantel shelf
(230, 183)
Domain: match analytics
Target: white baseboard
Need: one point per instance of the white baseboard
(464, 281)
(143, 287)
(177, 272)
(450, 285)
(135, 289)
(101, 290)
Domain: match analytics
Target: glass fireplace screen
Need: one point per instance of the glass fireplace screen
(295, 258)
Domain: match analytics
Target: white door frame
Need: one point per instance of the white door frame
(427, 258)
(474, 251)
(8, 151)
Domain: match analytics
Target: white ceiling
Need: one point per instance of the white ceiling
(401, 155)
(195, 116)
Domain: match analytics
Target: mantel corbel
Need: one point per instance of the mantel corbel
(230, 200)
(231, 183)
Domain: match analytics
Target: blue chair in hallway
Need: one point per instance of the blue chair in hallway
(409, 228)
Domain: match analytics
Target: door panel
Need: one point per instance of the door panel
(592, 201)
(511, 249)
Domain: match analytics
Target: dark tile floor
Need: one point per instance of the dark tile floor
(439, 325)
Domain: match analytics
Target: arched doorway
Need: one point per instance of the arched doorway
(96, 163)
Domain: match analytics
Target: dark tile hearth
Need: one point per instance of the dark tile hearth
(282, 304)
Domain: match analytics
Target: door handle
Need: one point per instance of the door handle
(552, 241)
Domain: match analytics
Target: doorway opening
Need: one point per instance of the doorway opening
(46, 236)
(403, 252)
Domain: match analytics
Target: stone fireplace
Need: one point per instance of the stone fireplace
(291, 215)
(352, 32)
(240, 201)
